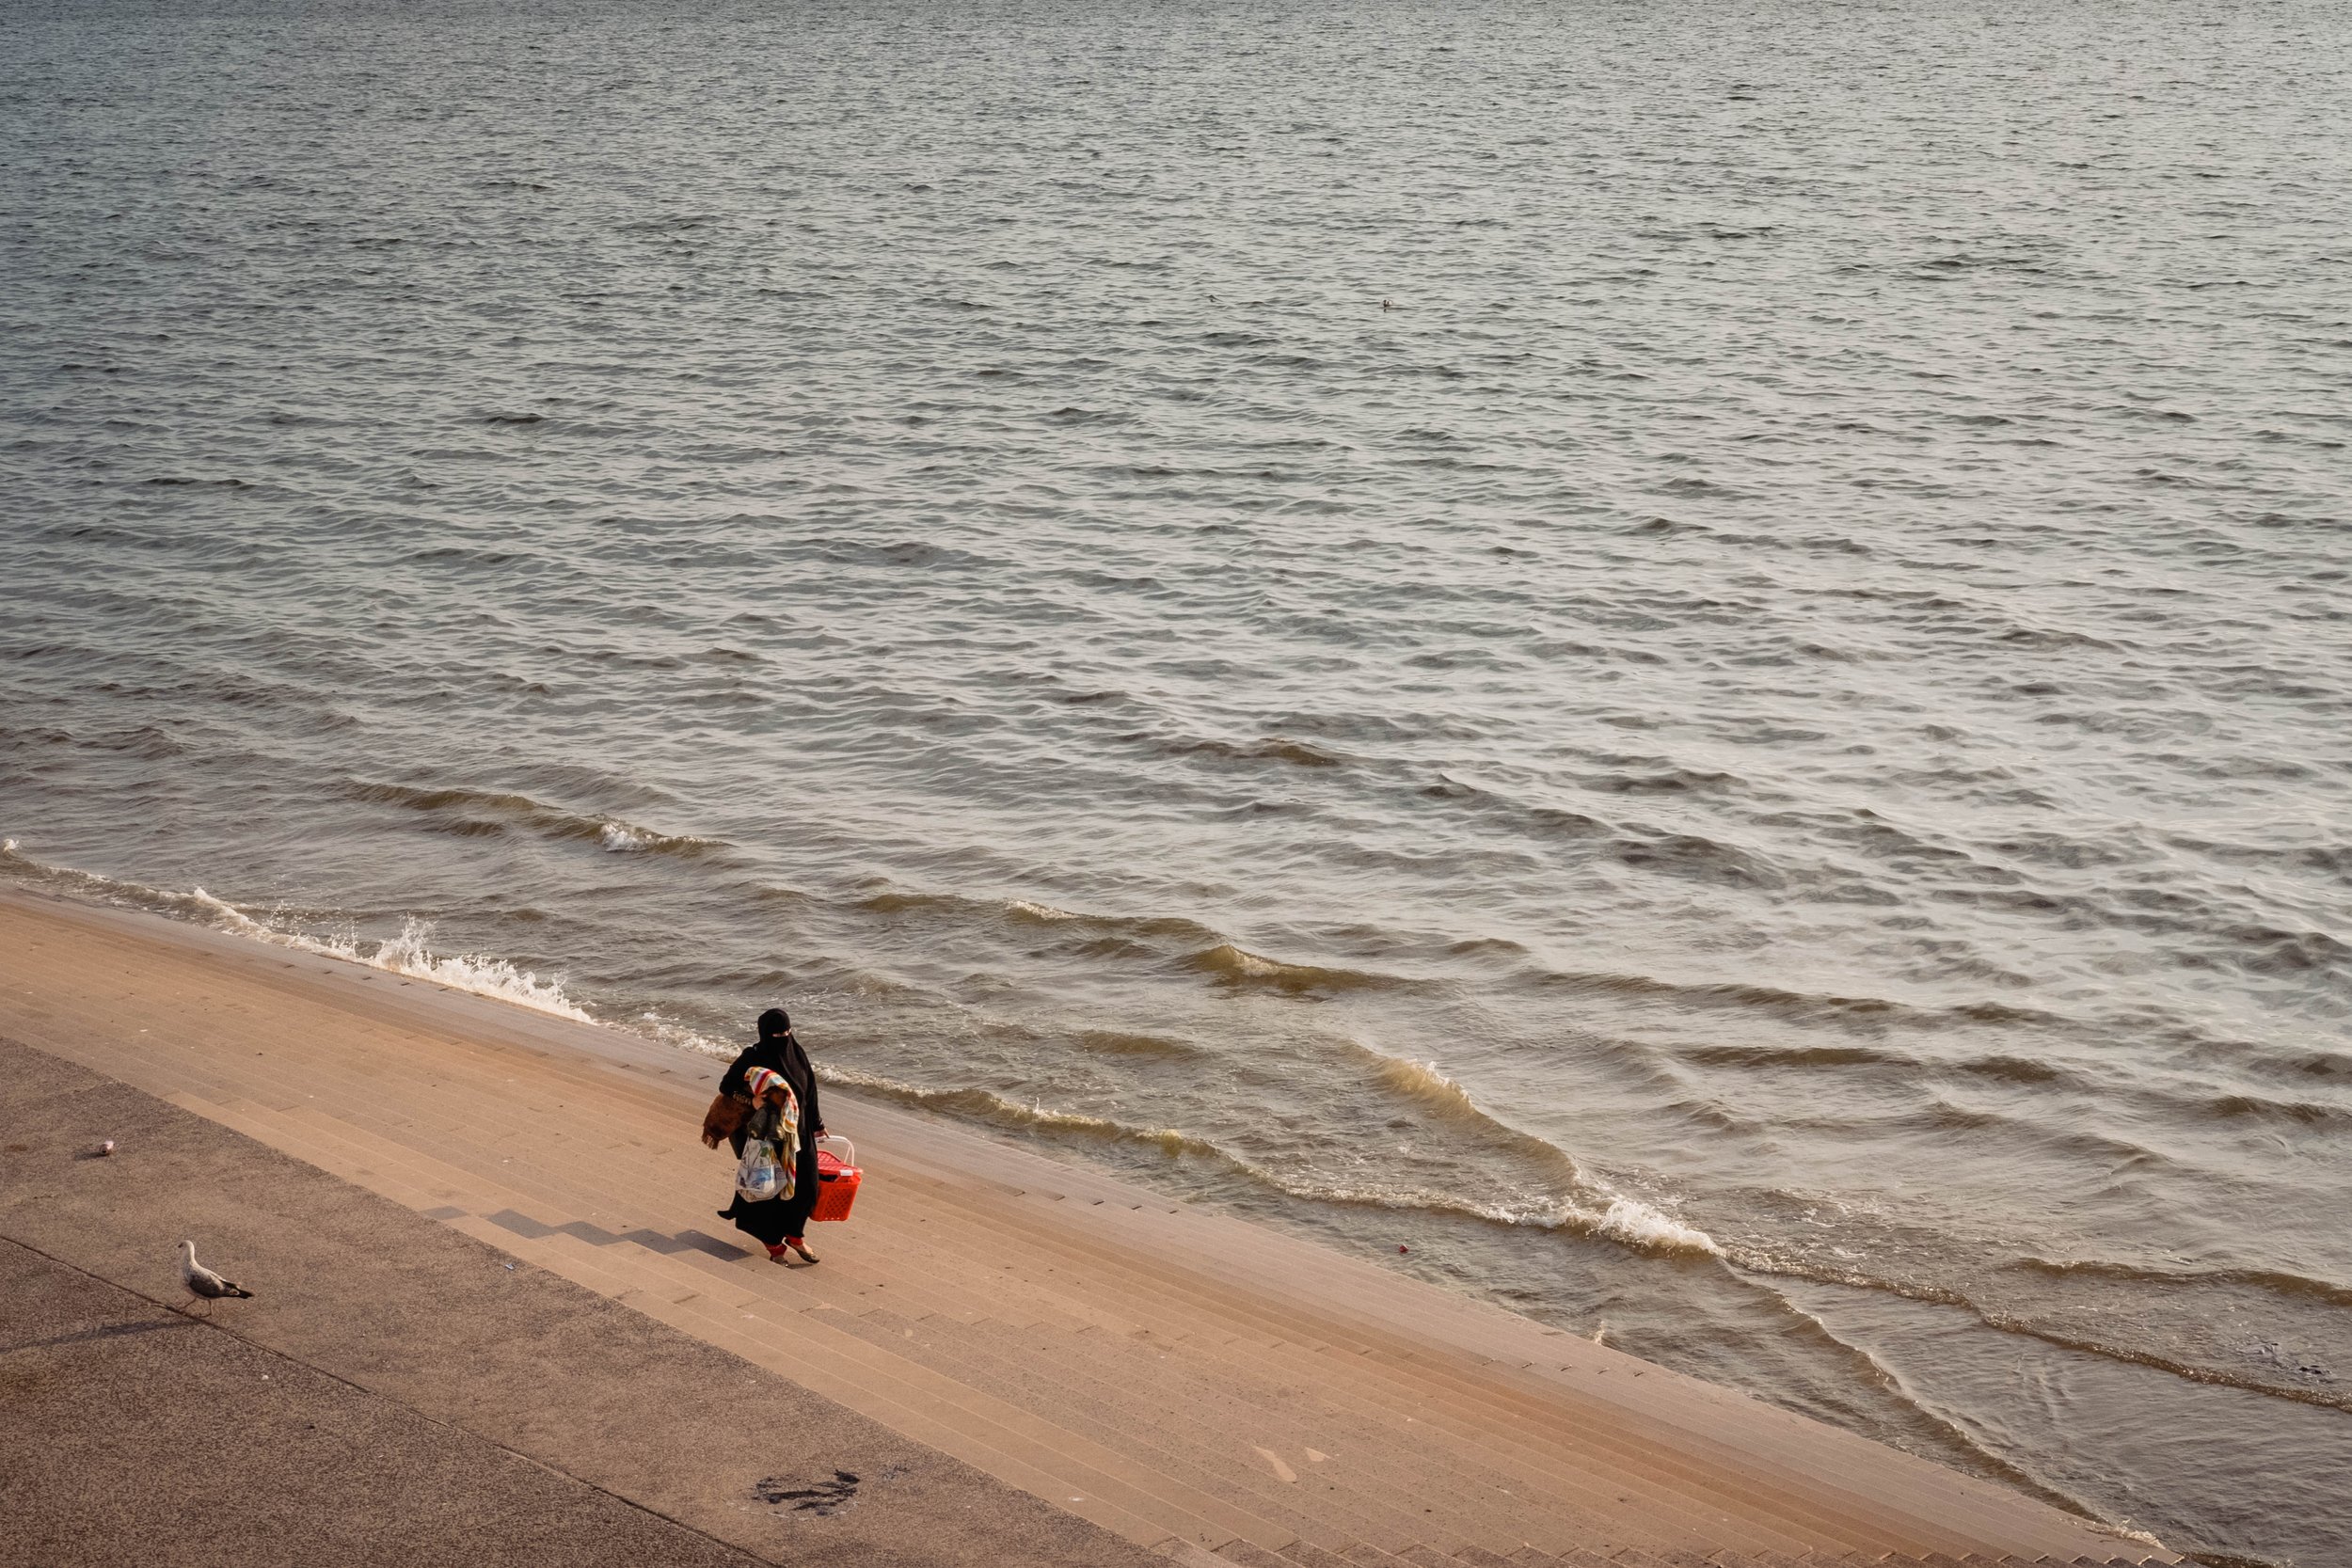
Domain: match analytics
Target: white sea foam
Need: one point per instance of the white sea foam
(1625, 1221)
(2128, 1533)
(408, 953)
(669, 1032)
(1636, 1223)
(230, 918)
(831, 1073)
(618, 837)
(1589, 1206)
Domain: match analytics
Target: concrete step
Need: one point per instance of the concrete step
(599, 1204)
(1257, 1557)
(673, 1287)
(700, 1301)
(750, 1332)
(1190, 1436)
(539, 1190)
(533, 1184)
(480, 1161)
(1377, 1418)
(1478, 1556)
(1317, 1441)
(1312, 1556)
(1089, 1467)
(1702, 1408)
(1556, 1437)
(1061, 1329)
(425, 1178)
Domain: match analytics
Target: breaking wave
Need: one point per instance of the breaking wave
(464, 812)
(1424, 1082)
(1599, 1213)
(679, 1037)
(1638, 1225)
(1183, 944)
(1180, 943)
(110, 890)
(1428, 1089)
(1594, 1209)
(408, 953)
(1587, 1206)
(1230, 965)
(986, 1106)
(405, 954)
(1129, 1042)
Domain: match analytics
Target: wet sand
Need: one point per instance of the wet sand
(1170, 1375)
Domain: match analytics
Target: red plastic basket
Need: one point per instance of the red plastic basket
(837, 1176)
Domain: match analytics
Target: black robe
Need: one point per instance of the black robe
(778, 1217)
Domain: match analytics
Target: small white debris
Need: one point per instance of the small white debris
(1282, 1472)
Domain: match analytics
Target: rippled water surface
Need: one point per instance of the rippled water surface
(1691, 658)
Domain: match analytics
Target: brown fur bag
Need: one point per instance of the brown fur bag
(723, 1119)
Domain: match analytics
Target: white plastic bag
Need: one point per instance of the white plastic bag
(758, 1175)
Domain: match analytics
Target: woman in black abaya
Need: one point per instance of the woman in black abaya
(777, 1222)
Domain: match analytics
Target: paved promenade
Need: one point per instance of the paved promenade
(1019, 1361)
(396, 1393)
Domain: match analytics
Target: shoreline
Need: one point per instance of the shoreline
(434, 1098)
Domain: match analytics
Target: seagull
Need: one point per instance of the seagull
(202, 1282)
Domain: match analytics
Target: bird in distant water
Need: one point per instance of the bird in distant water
(203, 1283)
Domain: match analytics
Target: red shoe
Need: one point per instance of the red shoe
(775, 1253)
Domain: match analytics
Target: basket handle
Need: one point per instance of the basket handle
(847, 1153)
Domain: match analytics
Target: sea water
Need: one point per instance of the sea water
(1691, 660)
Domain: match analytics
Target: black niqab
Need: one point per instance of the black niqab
(779, 1052)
